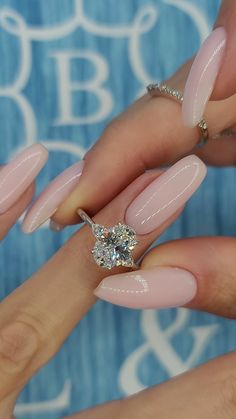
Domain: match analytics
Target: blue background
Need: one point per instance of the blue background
(92, 365)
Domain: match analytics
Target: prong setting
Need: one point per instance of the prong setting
(114, 245)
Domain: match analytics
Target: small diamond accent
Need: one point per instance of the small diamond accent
(99, 231)
(177, 95)
(114, 245)
(153, 90)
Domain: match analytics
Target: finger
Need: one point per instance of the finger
(212, 71)
(39, 315)
(121, 152)
(220, 152)
(199, 273)
(19, 173)
(7, 406)
(226, 81)
(212, 262)
(206, 392)
(9, 218)
(16, 184)
(149, 134)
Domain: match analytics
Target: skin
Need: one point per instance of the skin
(123, 139)
(55, 298)
(226, 82)
(61, 292)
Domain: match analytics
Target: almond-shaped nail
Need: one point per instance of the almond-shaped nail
(160, 287)
(202, 77)
(165, 195)
(19, 173)
(50, 199)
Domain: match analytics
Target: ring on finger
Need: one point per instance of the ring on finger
(114, 245)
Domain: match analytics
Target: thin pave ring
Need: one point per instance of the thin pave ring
(157, 88)
(114, 245)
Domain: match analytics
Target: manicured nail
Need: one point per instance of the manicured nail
(48, 202)
(202, 77)
(19, 173)
(56, 227)
(165, 195)
(153, 288)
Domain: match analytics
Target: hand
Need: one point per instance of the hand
(57, 296)
(37, 317)
(144, 137)
(150, 134)
(207, 392)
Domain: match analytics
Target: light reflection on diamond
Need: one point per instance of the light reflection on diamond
(114, 245)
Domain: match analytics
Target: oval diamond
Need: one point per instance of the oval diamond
(114, 245)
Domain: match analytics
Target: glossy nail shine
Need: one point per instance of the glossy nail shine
(165, 195)
(50, 199)
(19, 173)
(202, 77)
(159, 287)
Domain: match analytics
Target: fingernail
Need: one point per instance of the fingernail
(165, 195)
(153, 288)
(19, 173)
(202, 77)
(50, 199)
(56, 227)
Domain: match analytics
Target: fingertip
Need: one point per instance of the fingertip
(159, 287)
(202, 77)
(226, 80)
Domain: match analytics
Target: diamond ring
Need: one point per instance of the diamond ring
(157, 88)
(114, 245)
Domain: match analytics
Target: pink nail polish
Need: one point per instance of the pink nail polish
(19, 173)
(202, 77)
(165, 195)
(50, 199)
(153, 288)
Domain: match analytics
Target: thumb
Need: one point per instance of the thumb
(226, 81)
(198, 273)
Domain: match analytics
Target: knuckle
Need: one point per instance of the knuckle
(226, 408)
(20, 340)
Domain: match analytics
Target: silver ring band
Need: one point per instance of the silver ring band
(156, 88)
(84, 216)
(162, 88)
(114, 245)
